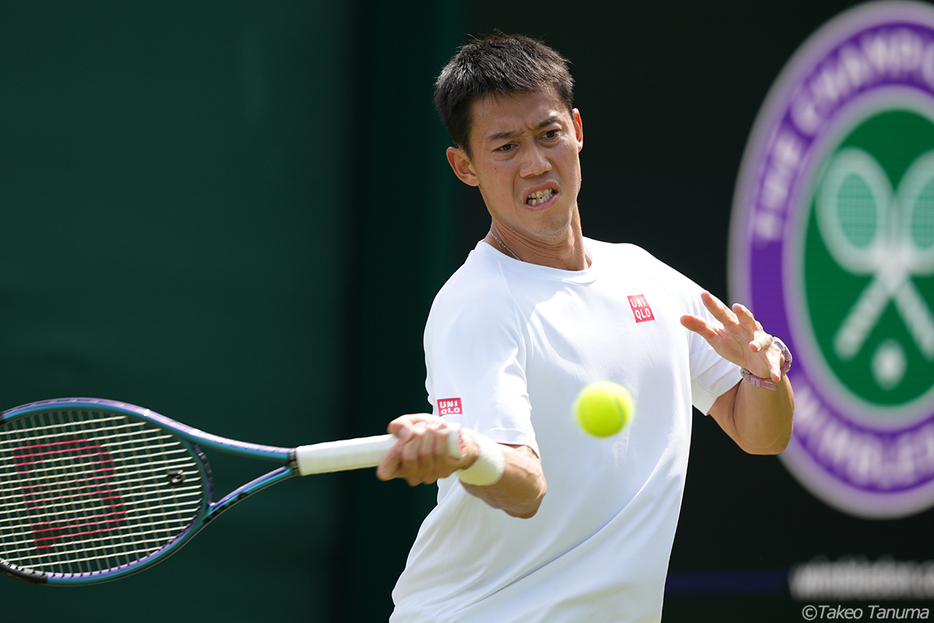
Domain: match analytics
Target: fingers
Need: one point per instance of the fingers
(760, 342)
(389, 466)
(421, 455)
(738, 316)
(716, 307)
(760, 339)
(698, 325)
(745, 317)
(402, 426)
(727, 318)
(738, 337)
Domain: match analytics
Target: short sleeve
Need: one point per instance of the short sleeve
(475, 357)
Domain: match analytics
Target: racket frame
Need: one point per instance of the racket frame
(316, 458)
(193, 440)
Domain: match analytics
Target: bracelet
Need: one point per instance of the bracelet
(489, 466)
(758, 381)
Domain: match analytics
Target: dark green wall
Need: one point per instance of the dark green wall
(233, 213)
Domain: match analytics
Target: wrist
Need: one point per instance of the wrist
(489, 465)
(763, 383)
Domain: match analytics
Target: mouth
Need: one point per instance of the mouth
(540, 196)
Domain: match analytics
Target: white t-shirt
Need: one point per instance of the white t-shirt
(508, 346)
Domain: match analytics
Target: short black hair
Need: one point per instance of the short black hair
(499, 65)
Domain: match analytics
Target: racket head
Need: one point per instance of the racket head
(92, 490)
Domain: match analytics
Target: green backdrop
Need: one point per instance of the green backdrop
(235, 214)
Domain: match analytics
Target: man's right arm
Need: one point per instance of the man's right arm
(421, 457)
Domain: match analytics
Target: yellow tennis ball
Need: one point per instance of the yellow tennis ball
(603, 408)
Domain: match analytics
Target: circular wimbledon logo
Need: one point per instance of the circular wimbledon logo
(832, 247)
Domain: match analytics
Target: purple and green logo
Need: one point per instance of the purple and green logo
(832, 247)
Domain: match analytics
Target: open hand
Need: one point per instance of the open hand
(739, 338)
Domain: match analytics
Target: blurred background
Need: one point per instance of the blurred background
(237, 214)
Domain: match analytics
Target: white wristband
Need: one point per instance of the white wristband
(489, 466)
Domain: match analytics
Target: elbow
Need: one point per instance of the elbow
(523, 514)
(773, 438)
(781, 444)
(530, 508)
(776, 446)
(785, 438)
(524, 505)
(527, 507)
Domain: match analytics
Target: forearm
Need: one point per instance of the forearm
(507, 477)
(757, 417)
(761, 419)
(520, 490)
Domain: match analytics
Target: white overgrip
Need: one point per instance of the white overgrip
(346, 454)
(360, 453)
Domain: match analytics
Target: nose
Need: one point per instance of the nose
(535, 162)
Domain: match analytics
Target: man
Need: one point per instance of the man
(536, 313)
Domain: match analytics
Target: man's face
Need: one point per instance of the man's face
(525, 160)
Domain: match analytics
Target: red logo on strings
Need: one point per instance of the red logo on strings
(640, 308)
(82, 505)
(449, 406)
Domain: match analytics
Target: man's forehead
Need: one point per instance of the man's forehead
(501, 116)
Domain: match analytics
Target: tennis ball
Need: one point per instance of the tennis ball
(603, 408)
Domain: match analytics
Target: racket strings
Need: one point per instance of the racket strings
(83, 492)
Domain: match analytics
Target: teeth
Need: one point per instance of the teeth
(539, 196)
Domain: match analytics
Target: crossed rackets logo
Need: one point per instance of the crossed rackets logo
(870, 229)
(833, 244)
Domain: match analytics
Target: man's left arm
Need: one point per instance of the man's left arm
(758, 419)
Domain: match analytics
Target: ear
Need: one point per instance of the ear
(578, 129)
(460, 163)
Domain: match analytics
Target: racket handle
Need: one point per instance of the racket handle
(360, 453)
(338, 456)
(455, 444)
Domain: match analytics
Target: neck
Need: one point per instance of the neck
(565, 253)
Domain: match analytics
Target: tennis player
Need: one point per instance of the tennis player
(537, 312)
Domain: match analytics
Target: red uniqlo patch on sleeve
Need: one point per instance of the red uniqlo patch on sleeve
(449, 406)
(640, 308)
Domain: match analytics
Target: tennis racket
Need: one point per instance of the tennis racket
(93, 490)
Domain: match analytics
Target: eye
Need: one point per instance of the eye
(505, 148)
(551, 135)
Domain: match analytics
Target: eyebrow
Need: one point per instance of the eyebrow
(498, 136)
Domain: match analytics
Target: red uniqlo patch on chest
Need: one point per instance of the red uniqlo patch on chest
(640, 308)
(449, 406)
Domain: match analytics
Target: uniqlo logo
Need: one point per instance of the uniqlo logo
(640, 308)
(449, 406)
